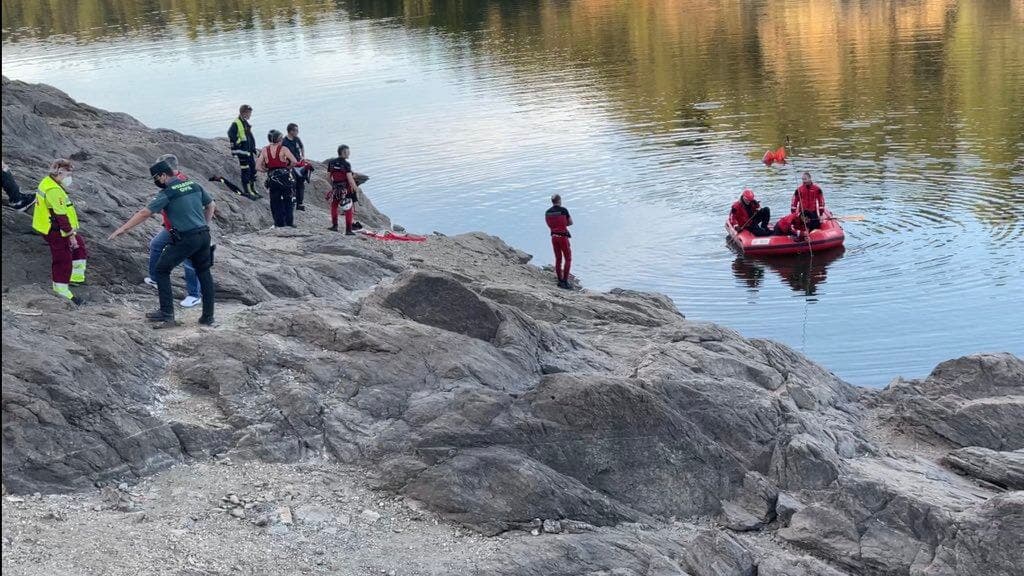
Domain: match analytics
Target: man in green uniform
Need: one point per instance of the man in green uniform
(190, 210)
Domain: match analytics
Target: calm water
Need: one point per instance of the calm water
(649, 117)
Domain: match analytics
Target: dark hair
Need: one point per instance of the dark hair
(556, 199)
(244, 108)
(160, 168)
(342, 148)
(808, 174)
(274, 136)
(292, 126)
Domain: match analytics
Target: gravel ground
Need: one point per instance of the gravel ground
(244, 518)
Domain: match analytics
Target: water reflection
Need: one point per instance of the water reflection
(802, 273)
(647, 116)
(933, 80)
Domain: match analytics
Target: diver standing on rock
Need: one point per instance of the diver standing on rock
(559, 220)
(243, 147)
(56, 219)
(277, 161)
(190, 210)
(343, 189)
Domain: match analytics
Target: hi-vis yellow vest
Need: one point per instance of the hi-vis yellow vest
(52, 200)
(239, 132)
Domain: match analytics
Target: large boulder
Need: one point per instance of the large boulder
(1004, 469)
(442, 302)
(971, 401)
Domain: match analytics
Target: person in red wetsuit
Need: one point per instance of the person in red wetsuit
(747, 214)
(809, 201)
(791, 224)
(559, 220)
(342, 194)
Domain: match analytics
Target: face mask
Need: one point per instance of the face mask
(67, 181)
(159, 184)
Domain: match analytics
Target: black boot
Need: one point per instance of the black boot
(157, 316)
(333, 228)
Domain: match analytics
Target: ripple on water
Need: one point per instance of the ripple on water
(649, 128)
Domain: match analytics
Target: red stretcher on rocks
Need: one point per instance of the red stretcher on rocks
(390, 235)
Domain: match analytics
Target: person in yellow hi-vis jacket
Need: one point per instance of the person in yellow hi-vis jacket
(55, 218)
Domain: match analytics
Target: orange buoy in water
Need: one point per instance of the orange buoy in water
(780, 155)
(777, 156)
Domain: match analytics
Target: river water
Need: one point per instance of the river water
(649, 117)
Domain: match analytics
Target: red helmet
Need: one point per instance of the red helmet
(748, 195)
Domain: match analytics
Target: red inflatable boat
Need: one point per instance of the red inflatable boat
(829, 236)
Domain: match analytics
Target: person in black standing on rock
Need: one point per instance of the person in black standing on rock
(559, 220)
(15, 198)
(302, 169)
(243, 147)
(277, 161)
(190, 209)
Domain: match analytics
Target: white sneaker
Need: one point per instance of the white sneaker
(150, 281)
(190, 301)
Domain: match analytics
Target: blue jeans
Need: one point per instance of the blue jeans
(156, 248)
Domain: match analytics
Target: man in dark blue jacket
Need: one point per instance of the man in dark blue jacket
(243, 147)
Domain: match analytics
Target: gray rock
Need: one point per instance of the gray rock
(442, 302)
(824, 530)
(454, 373)
(489, 489)
(1004, 469)
(805, 463)
(735, 517)
(989, 539)
(552, 527)
(785, 506)
(754, 507)
(313, 514)
(369, 516)
(971, 401)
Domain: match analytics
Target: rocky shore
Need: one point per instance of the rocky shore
(369, 407)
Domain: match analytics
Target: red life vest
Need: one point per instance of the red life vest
(809, 198)
(274, 163)
(741, 213)
(790, 223)
(338, 169)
